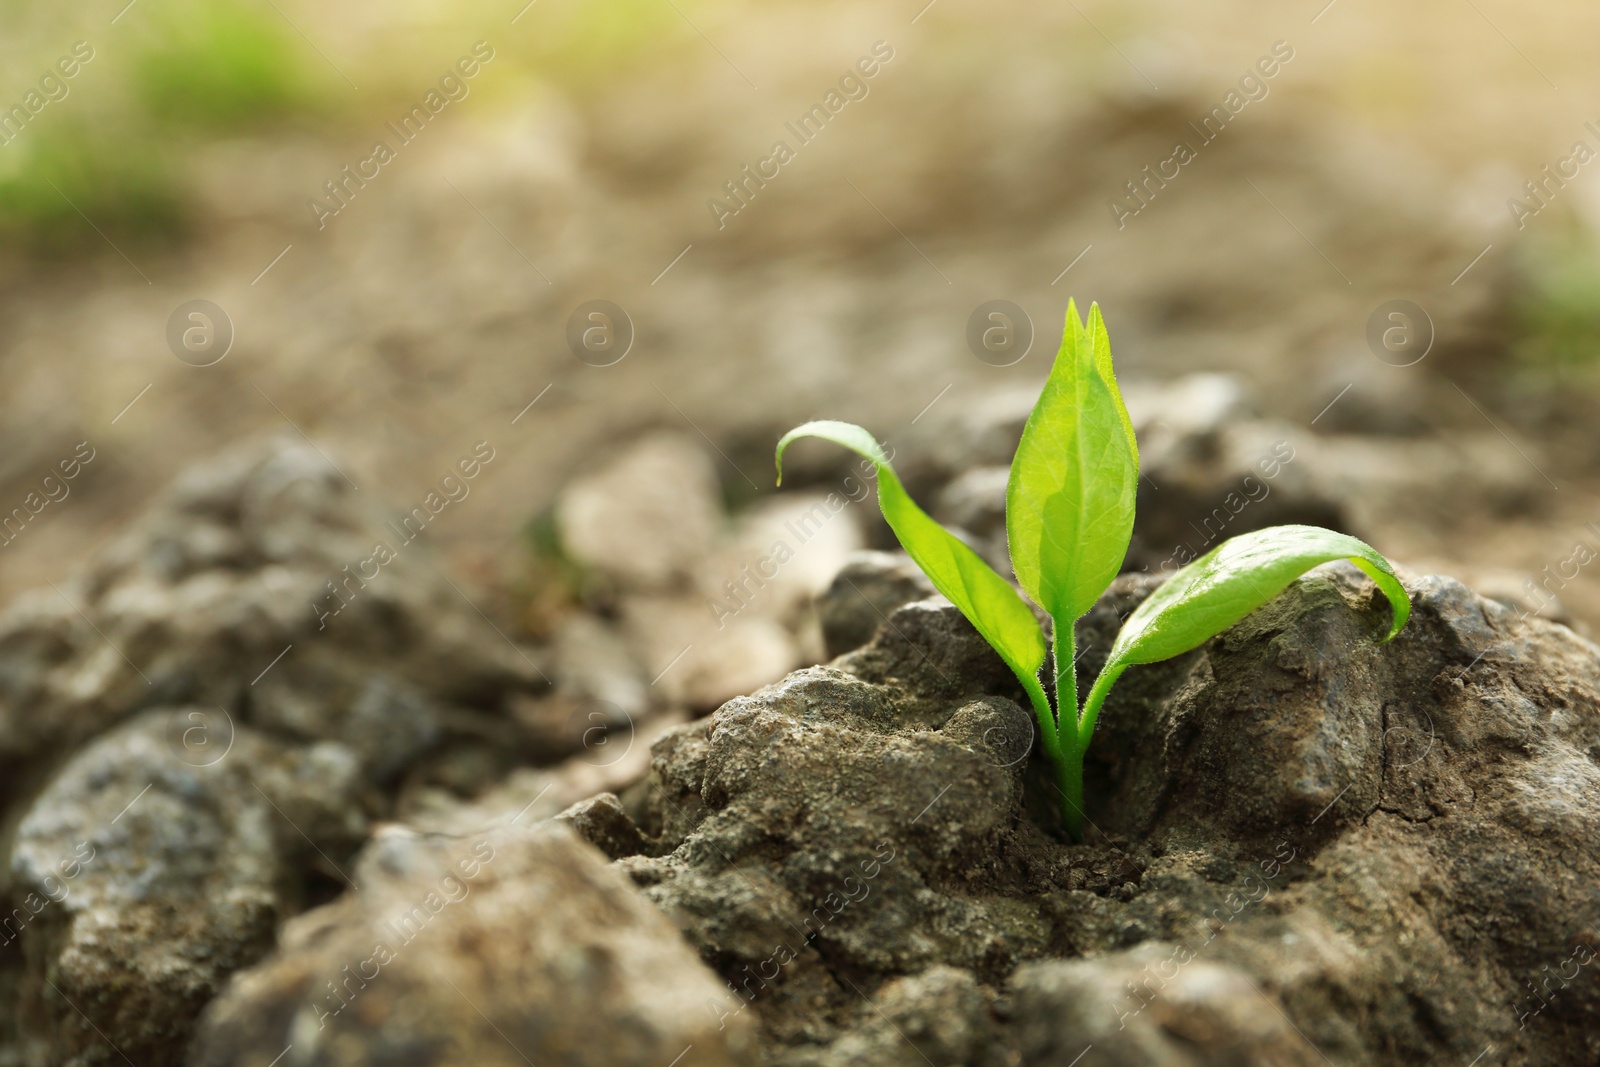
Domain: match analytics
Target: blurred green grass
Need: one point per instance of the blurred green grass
(217, 67)
(1556, 307)
(174, 75)
(114, 148)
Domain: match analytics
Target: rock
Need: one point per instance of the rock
(699, 658)
(384, 720)
(151, 879)
(932, 654)
(727, 613)
(784, 553)
(1302, 844)
(604, 823)
(217, 705)
(981, 432)
(1524, 592)
(863, 593)
(746, 622)
(828, 813)
(1368, 397)
(646, 518)
(563, 724)
(975, 501)
(241, 590)
(595, 663)
(673, 805)
(1430, 481)
(1184, 408)
(826, 825)
(1201, 485)
(1390, 845)
(939, 1016)
(1180, 1013)
(612, 761)
(1196, 491)
(509, 947)
(599, 691)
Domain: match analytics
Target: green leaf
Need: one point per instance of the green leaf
(1235, 578)
(1074, 479)
(986, 599)
(1226, 584)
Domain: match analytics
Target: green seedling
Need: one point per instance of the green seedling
(1069, 518)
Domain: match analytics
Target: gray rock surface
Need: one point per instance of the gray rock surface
(698, 605)
(942, 1015)
(604, 823)
(518, 946)
(200, 711)
(1303, 845)
(254, 556)
(863, 593)
(1206, 1015)
(643, 520)
(155, 879)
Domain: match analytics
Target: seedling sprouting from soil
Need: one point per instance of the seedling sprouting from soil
(1069, 518)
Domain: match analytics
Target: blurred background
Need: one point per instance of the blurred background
(399, 216)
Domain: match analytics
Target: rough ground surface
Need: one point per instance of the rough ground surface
(510, 947)
(1304, 847)
(190, 752)
(170, 896)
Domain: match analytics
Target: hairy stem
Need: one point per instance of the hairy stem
(1048, 734)
(1097, 696)
(1070, 743)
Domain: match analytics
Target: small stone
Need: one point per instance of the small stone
(156, 879)
(593, 662)
(605, 824)
(975, 500)
(502, 947)
(863, 593)
(700, 659)
(647, 517)
(939, 1016)
(784, 552)
(1151, 1006)
(1184, 408)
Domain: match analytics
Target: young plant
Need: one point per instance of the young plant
(1069, 518)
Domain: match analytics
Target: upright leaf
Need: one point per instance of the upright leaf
(986, 599)
(1070, 498)
(1226, 584)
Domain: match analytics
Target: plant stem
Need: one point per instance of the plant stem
(1070, 742)
(1047, 719)
(1097, 696)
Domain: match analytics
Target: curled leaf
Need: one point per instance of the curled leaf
(987, 600)
(1226, 584)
